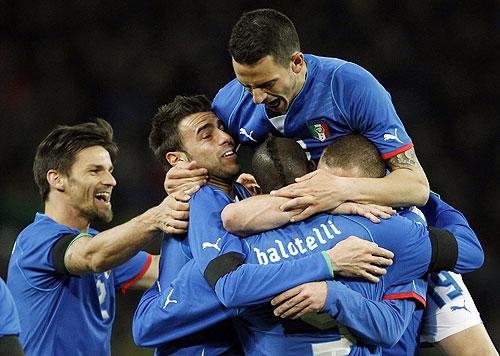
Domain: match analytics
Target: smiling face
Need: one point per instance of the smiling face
(205, 140)
(89, 184)
(271, 83)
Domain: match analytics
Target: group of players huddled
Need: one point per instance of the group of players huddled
(319, 251)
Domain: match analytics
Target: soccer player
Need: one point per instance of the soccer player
(62, 273)
(186, 130)
(447, 296)
(313, 99)
(9, 324)
(162, 307)
(200, 132)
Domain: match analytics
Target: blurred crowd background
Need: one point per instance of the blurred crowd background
(66, 62)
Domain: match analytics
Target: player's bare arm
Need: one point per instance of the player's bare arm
(113, 247)
(262, 213)
(150, 276)
(321, 190)
(407, 163)
(255, 214)
(472, 341)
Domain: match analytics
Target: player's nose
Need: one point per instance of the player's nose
(109, 179)
(259, 96)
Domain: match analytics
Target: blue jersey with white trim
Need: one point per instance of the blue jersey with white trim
(324, 231)
(249, 283)
(189, 305)
(338, 98)
(9, 322)
(470, 257)
(263, 331)
(63, 314)
(181, 339)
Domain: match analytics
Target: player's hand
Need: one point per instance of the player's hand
(250, 183)
(305, 298)
(184, 176)
(355, 257)
(369, 211)
(172, 215)
(313, 193)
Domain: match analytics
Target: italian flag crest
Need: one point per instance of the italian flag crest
(319, 129)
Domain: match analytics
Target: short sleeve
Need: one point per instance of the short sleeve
(368, 109)
(416, 290)
(131, 271)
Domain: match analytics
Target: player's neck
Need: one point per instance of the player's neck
(223, 184)
(66, 215)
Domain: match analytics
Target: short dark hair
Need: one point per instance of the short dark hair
(59, 149)
(277, 162)
(263, 32)
(164, 136)
(354, 151)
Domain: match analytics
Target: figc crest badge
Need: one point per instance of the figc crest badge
(319, 129)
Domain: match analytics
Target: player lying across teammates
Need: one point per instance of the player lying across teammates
(174, 314)
(62, 273)
(315, 99)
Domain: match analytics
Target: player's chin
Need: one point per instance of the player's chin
(105, 215)
(232, 172)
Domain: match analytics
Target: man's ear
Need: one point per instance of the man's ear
(173, 158)
(56, 180)
(297, 62)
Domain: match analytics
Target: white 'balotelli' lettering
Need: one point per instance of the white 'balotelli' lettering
(283, 250)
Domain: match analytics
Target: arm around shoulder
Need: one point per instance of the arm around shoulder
(113, 247)
(405, 185)
(255, 214)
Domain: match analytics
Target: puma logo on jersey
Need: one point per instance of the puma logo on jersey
(457, 307)
(207, 244)
(168, 301)
(244, 132)
(394, 137)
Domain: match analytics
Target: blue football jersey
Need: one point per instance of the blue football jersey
(9, 320)
(249, 283)
(62, 314)
(338, 98)
(264, 333)
(189, 305)
(185, 339)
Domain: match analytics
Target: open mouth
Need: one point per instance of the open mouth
(229, 153)
(273, 104)
(104, 197)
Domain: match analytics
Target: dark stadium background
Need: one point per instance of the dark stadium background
(63, 62)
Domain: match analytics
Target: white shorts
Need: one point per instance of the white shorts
(450, 308)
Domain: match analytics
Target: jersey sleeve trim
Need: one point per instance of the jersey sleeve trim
(421, 303)
(59, 250)
(139, 275)
(328, 263)
(391, 154)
